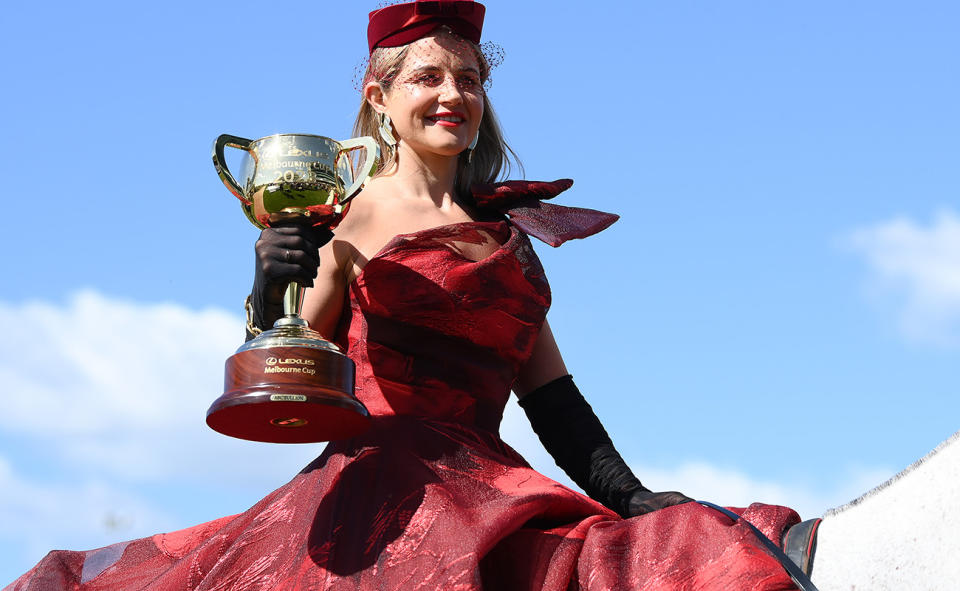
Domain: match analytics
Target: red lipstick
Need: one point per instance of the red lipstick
(448, 119)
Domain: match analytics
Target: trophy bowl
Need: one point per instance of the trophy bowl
(289, 384)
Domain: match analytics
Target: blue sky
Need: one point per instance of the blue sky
(776, 317)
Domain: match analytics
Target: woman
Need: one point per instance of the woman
(431, 285)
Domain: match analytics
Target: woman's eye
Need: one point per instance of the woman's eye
(427, 79)
(469, 82)
(466, 82)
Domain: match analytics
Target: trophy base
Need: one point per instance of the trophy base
(277, 416)
(288, 385)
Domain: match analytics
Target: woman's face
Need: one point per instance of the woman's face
(436, 101)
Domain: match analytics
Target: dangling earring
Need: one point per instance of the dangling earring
(386, 130)
(472, 147)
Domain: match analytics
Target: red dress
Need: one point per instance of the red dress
(431, 498)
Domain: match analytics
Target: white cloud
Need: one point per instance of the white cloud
(100, 364)
(103, 429)
(730, 487)
(704, 481)
(121, 388)
(920, 265)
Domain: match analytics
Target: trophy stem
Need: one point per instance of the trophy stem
(293, 299)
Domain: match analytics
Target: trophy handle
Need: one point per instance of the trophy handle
(373, 154)
(220, 163)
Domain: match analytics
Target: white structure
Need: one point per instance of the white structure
(904, 534)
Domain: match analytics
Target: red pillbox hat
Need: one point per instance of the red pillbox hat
(405, 23)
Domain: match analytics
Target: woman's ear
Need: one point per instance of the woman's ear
(374, 94)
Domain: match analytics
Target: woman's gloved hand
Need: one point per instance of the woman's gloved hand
(285, 253)
(645, 501)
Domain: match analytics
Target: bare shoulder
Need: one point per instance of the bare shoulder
(365, 228)
(361, 213)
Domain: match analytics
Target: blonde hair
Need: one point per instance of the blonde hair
(490, 159)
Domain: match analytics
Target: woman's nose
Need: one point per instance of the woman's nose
(449, 91)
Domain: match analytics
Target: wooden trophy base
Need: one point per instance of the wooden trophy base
(288, 389)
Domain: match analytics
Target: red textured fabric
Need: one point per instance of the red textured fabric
(430, 498)
(522, 202)
(400, 24)
(507, 193)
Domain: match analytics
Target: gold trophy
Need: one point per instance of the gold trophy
(289, 384)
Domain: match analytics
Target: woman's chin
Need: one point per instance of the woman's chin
(451, 150)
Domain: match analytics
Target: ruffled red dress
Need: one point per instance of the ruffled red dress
(430, 498)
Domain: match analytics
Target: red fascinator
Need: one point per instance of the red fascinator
(400, 24)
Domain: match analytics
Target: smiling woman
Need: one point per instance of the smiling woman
(451, 72)
(432, 83)
(432, 287)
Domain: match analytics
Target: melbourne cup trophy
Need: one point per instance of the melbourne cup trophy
(289, 384)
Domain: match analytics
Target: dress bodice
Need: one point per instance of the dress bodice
(437, 331)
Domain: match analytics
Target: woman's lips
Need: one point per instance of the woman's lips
(452, 119)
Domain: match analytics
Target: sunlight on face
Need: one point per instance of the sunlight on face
(443, 58)
(436, 103)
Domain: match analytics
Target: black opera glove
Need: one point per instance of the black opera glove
(285, 253)
(572, 433)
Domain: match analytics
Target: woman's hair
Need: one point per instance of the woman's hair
(490, 158)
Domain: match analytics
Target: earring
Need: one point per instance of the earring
(386, 130)
(472, 147)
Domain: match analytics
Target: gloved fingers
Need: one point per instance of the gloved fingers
(275, 243)
(312, 236)
(319, 235)
(284, 255)
(289, 265)
(646, 501)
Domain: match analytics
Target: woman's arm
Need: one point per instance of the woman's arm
(323, 303)
(544, 366)
(574, 436)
